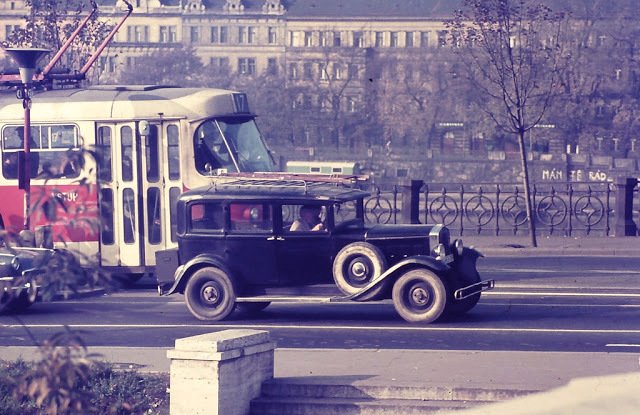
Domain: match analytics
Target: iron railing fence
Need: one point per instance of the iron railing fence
(559, 209)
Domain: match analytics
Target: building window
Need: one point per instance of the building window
(337, 71)
(272, 66)
(322, 68)
(322, 39)
(215, 34)
(308, 39)
(442, 38)
(379, 39)
(424, 39)
(168, 34)
(293, 71)
(272, 35)
(408, 39)
(137, 34)
(351, 104)
(221, 65)
(9, 29)
(251, 34)
(307, 71)
(394, 40)
(107, 64)
(246, 66)
(358, 39)
(194, 34)
(224, 34)
(353, 71)
(337, 39)
(242, 34)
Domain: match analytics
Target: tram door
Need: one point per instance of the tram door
(137, 184)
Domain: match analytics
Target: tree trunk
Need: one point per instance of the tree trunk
(527, 192)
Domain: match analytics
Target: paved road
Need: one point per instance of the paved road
(555, 305)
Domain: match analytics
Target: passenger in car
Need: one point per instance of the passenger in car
(309, 219)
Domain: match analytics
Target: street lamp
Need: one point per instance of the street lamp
(27, 59)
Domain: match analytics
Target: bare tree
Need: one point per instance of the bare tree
(512, 49)
(51, 22)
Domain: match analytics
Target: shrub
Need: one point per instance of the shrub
(108, 391)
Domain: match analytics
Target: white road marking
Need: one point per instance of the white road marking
(321, 327)
(558, 294)
(622, 345)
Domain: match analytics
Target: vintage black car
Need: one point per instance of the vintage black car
(241, 244)
(20, 271)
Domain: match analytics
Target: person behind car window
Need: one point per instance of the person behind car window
(309, 219)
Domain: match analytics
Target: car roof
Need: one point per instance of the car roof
(276, 189)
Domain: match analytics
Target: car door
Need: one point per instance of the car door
(251, 242)
(304, 256)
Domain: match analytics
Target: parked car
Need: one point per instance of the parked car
(20, 272)
(239, 246)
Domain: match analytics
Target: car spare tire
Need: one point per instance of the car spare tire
(356, 265)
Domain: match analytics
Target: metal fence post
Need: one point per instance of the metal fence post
(411, 200)
(624, 225)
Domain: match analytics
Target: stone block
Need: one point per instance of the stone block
(219, 373)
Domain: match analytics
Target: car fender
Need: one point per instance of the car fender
(410, 262)
(184, 271)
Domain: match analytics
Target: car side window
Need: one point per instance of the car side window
(206, 216)
(304, 218)
(250, 218)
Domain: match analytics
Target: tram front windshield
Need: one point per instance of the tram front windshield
(233, 144)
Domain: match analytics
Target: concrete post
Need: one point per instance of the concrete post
(410, 192)
(624, 225)
(219, 373)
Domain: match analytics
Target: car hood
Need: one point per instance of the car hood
(397, 231)
(27, 259)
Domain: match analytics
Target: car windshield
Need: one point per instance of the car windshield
(347, 213)
(232, 144)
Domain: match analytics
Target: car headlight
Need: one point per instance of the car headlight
(15, 263)
(458, 246)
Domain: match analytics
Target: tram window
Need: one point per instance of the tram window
(174, 192)
(246, 142)
(154, 222)
(104, 154)
(129, 216)
(151, 154)
(126, 148)
(211, 151)
(106, 215)
(173, 152)
(54, 150)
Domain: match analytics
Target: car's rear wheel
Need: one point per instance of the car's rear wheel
(210, 294)
(419, 296)
(356, 265)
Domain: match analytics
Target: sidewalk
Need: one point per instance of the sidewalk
(475, 370)
(554, 245)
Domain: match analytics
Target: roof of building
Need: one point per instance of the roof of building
(336, 8)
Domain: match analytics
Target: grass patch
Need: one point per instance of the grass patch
(109, 391)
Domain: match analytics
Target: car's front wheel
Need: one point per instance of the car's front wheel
(355, 266)
(22, 301)
(210, 294)
(419, 296)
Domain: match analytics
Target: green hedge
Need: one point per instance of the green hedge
(110, 391)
